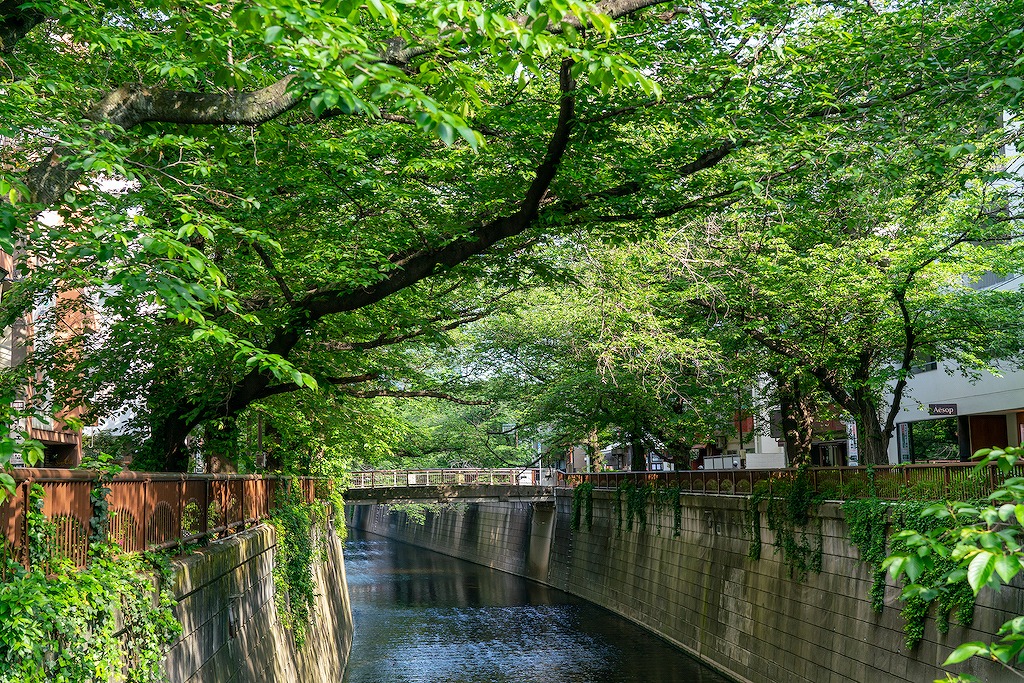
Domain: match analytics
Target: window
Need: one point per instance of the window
(989, 279)
(923, 364)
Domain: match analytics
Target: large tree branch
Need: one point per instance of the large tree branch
(16, 22)
(278, 389)
(132, 105)
(386, 340)
(419, 265)
(425, 393)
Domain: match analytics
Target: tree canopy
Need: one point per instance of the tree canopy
(282, 197)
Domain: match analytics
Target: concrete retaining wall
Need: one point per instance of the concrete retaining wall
(746, 618)
(232, 633)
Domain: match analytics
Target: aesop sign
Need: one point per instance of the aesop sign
(942, 409)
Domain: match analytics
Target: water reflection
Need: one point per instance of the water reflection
(422, 617)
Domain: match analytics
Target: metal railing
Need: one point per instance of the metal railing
(145, 511)
(444, 477)
(956, 481)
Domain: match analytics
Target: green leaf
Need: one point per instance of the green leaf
(979, 571)
(446, 133)
(272, 34)
(965, 652)
(1007, 566)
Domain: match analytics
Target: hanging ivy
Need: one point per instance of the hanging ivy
(790, 508)
(636, 504)
(760, 493)
(618, 508)
(867, 520)
(951, 598)
(668, 495)
(583, 505)
(658, 500)
(677, 511)
(298, 527)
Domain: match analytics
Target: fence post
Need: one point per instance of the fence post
(144, 517)
(206, 513)
(181, 506)
(26, 487)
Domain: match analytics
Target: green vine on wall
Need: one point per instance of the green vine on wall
(618, 509)
(636, 504)
(100, 623)
(951, 598)
(790, 505)
(106, 469)
(668, 495)
(760, 493)
(583, 505)
(867, 520)
(299, 528)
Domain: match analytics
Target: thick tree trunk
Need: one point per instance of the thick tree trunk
(167, 444)
(638, 459)
(798, 411)
(596, 464)
(220, 445)
(871, 439)
(797, 427)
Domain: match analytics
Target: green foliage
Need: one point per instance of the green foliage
(401, 178)
(636, 504)
(790, 507)
(97, 624)
(106, 468)
(668, 495)
(417, 513)
(583, 505)
(932, 579)
(300, 529)
(760, 493)
(867, 520)
(618, 509)
(952, 551)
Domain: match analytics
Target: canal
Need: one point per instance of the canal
(423, 617)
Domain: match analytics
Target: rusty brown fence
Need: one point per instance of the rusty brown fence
(145, 510)
(932, 481)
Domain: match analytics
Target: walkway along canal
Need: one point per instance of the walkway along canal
(423, 617)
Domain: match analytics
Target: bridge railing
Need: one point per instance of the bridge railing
(955, 480)
(513, 476)
(145, 510)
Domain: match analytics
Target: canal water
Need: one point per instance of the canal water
(423, 617)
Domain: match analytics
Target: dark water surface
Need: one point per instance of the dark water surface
(422, 617)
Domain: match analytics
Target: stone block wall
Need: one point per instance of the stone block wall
(748, 619)
(232, 633)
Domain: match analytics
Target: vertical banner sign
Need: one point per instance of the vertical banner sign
(852, 452)
(903, 440)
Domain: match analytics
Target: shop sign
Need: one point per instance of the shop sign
(903, 441)
(852, 450)
(942, 409)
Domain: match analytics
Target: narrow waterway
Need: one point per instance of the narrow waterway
(423, 617)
